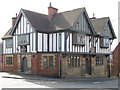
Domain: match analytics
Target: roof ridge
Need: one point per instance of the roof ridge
(71, 10)
(99, 18)
(33, 11)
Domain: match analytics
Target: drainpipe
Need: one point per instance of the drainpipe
(59, 73)
(59, 68)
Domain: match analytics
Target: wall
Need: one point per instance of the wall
(116, 61)
(96, 71)
(13, 67)
(20, 58)
(37, 65)
(100, 70)
(0, 62)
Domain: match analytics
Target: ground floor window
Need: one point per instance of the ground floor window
(99, 60)
(48, 62)
(73, 61)
(9, 60)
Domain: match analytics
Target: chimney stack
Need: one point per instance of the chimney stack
(14, 20)
(51, 10)
(93, 16)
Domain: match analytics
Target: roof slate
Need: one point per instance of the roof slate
(37, 20)
(64, 20)
(60, 21)
(8, 35)
(99, 24)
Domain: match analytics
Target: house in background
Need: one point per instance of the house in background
(67, 44)
(116, 61)
(1, 55)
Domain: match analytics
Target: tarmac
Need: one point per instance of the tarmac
(36, 77)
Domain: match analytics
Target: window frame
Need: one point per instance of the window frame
(9, 62)
(48, 62)
(8, 45)
(103, 42)
(22, 35)
(78, 39)
(99, 60)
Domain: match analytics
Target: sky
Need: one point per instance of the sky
(101, 8)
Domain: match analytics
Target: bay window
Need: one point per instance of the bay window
(78, 39)
(9, 43)
(104, 42)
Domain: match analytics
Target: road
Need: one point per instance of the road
(11, 80)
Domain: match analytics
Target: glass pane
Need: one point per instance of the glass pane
(69, 62)
(76, 61)
(9, 43)
(72, 61)
(50, 61)
(9, 61)
(45, 62)
(23, 39)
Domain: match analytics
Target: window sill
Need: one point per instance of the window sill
(81, 44)
(104, 47)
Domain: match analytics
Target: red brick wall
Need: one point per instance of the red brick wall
(116, 60)
(0, 62)
(36, 66)
(12, 68)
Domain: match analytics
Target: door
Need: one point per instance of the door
(88, 66)
(24, 64)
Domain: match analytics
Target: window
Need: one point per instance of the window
(9, 43)
(73, 61)
(48, 62)
(78, 61)
(45, 62)
(9, 60)
(69, 62)
(99, 61)
(104, 42)
(102, 60)
(78, 39)
(23, 39)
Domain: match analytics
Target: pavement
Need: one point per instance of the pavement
(19, 80)
(36, 77)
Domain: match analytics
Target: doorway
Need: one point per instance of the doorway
(88, 66)
(24, 65)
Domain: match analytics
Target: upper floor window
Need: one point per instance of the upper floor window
(9, 43)
(78, 39)
(104, 42)
(23, 39)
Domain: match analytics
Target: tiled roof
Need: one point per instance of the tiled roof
(99, 24)
(60, 21)
(7, 35)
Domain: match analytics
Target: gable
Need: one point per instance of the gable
(107, 31)
(23, 26)
(103, 27)
(64, 20)
(83, 24)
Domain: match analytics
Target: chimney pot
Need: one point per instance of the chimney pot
(50, 5)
